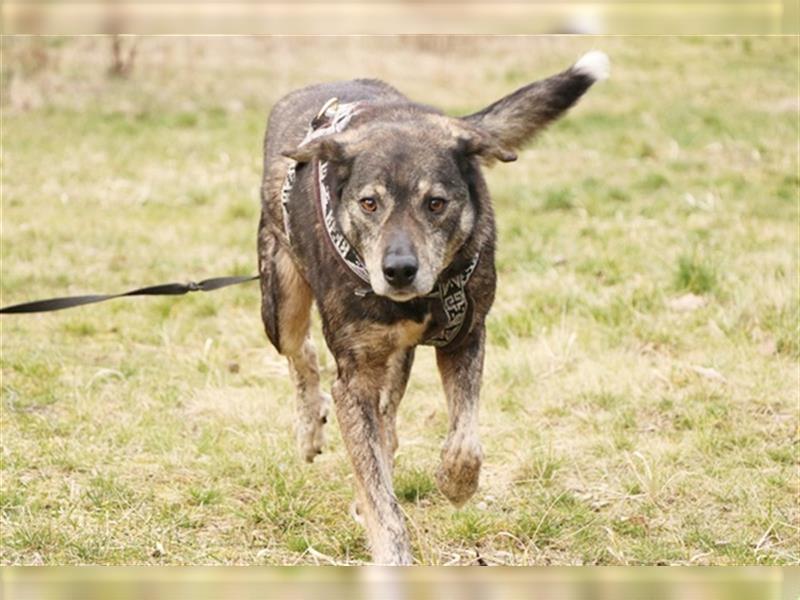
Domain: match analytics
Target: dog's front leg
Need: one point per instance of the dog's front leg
(356, 396)
(461, 370)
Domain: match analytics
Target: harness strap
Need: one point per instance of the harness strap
(455, 307)
(331, 118)
(341, 245)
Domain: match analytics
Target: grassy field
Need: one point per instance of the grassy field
(640, 400)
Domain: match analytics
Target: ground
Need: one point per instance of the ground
(640, 398)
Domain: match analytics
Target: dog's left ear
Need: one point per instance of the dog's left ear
(515, 119)
(328, 148)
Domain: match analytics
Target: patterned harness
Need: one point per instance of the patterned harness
(454, 306)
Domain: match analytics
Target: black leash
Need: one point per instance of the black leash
(166, 289)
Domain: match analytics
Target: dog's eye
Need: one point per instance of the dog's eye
(436, 205)
(368, 204)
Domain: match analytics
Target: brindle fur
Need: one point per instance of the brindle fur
(400, 150)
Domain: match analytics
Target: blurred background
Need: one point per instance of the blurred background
(408, 16)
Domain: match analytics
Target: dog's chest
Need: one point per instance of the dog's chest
(409, 333)
(375, 340)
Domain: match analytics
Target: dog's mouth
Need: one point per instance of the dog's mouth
(395, 294)
(401, 296)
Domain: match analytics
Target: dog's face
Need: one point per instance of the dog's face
(406, 208)
(404, 199)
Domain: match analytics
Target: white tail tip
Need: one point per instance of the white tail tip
(595, 64)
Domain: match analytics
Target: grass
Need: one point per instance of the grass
(695, 275)
(640, 397)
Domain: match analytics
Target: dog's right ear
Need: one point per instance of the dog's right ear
(326, 147)
(473, 141)
(515, 119)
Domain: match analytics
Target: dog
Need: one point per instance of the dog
(374, 208)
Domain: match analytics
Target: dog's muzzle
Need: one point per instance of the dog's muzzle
(400, 269)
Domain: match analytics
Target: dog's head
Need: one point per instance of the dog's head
(408, 195)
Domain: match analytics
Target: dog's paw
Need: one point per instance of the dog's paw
(311, 431)
(458, 474)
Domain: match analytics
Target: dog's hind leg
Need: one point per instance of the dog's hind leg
(357, 397)
(286, 311)
(313, 405)
(461, 370)
(398, 369)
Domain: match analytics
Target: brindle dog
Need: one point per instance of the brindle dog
(410, 199)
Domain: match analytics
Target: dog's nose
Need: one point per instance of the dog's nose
(400, 269)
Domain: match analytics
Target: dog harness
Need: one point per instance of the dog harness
(453, 307)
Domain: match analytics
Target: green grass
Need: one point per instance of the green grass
(619, 427)
(695, 275)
